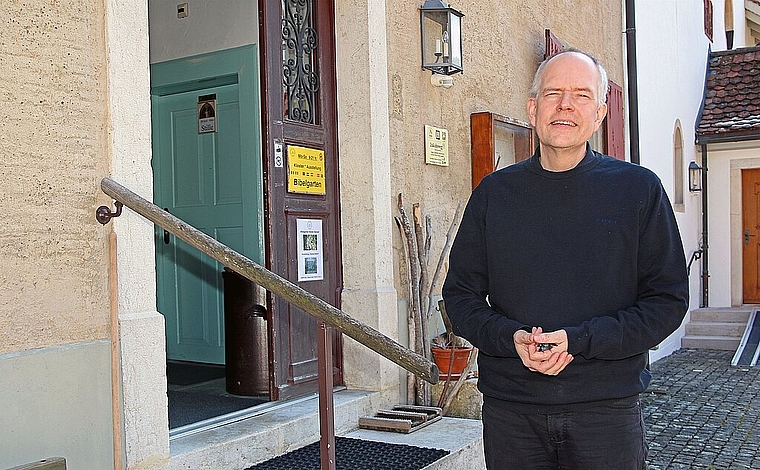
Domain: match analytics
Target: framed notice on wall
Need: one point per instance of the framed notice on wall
(436, 146)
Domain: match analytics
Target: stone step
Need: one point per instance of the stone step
(276, 432)
(722, 315)
(286, 427)
(728, 329)
(710, 342)
(463, 438)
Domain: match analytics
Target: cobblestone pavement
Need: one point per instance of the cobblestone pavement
(702, 413)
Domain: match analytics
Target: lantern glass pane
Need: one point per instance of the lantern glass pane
(456, 40)
(433, 23)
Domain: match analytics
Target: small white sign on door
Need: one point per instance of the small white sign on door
(310, 252)
(206, 114)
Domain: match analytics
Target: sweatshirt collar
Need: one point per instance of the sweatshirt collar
(590, 160)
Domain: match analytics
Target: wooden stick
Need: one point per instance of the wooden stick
(423, 247)
(411, 381)
(414, 304)
(279, 286)
(459, 382)
(422, 257)
(444, 254)
(414, 271)
(113, 292)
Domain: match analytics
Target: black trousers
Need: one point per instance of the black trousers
(606, 436)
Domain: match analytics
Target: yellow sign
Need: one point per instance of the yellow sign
(306, 170)
(436, 146)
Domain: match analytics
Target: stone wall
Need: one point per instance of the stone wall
(53, 135)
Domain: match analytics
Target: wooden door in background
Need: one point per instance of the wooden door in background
(751, 235)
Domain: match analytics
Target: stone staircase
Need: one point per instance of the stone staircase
(716, 328)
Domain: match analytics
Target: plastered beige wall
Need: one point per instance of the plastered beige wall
(53, 255)
(503, 43)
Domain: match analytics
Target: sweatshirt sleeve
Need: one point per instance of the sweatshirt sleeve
(466, 287)
(662, 291)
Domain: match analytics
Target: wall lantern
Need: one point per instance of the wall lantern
(695, 177)
(441, 29)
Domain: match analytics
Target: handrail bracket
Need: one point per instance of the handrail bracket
(104, 214)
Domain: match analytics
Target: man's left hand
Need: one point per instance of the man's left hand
(551, 361)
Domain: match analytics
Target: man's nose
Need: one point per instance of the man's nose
(565, 101)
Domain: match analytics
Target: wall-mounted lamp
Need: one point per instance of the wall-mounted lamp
(695, 177)
(441, 30)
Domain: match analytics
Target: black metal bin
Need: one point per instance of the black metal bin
(245, 330)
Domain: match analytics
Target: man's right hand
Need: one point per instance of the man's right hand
(549, 362)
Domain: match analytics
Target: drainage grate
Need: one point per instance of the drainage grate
(357, 454)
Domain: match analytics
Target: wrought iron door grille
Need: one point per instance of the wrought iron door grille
(300, 71)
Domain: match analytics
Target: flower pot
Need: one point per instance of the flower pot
(442, 358)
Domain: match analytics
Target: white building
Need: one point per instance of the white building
(674, 40)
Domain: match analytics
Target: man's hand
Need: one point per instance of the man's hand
(551, 361)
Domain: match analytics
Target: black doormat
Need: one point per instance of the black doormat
(187, 373)
(357, 454)
(191, 407)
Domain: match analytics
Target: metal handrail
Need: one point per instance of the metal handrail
(306, 301)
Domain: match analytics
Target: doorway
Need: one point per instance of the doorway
(207, 171)
(751, 236)
(195, 62)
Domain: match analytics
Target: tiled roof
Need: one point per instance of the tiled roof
(731, 108)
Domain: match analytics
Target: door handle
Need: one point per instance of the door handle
(746, 236)
(167, 235)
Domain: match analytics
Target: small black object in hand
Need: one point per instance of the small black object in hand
(541, 347)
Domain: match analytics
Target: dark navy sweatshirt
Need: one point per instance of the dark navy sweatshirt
(594, 250)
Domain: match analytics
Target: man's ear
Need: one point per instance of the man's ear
(601, 112)
(531, 105)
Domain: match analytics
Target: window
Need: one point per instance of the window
(708, 19)
(678, 168)
(496, 142)
(300, 71)
(614, 123)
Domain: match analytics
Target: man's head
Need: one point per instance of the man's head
(603, 80)
(567, 102)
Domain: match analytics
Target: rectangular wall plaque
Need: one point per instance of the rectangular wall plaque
(436, 146)
(306, 170)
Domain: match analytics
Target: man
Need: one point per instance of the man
(576, 252)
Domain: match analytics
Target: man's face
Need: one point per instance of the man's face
(565, 113)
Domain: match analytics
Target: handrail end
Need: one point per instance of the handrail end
(434, 375)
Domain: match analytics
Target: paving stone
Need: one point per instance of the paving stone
(702, 412)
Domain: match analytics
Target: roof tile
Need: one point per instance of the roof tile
(732, 94)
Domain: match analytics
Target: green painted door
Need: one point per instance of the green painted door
(213, 181)
(199, 181)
